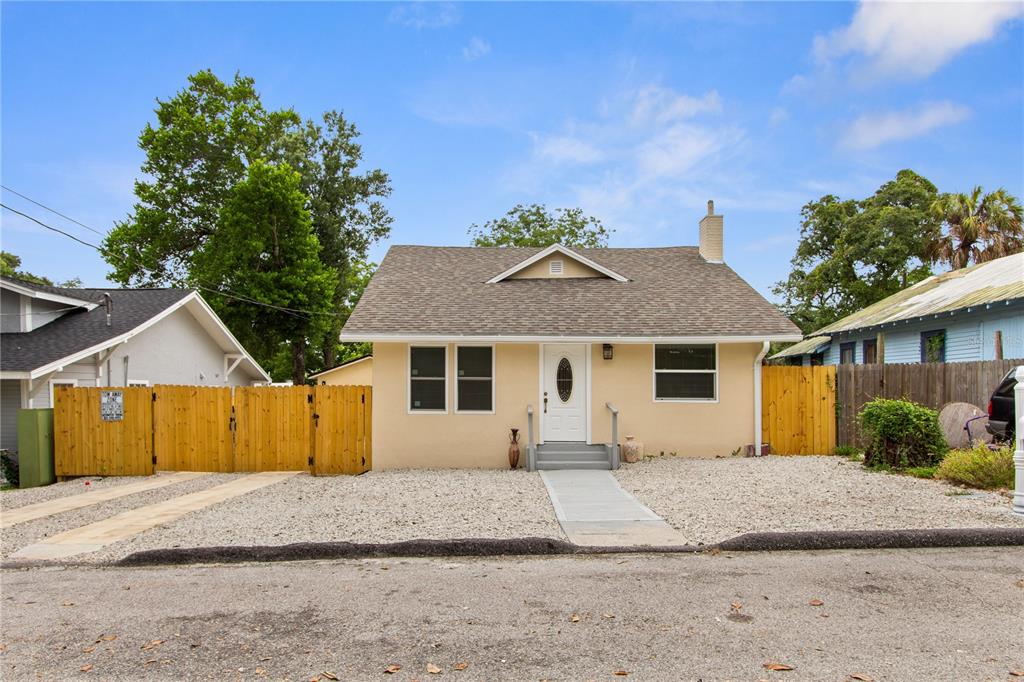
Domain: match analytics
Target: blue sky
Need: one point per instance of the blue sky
(638, 113)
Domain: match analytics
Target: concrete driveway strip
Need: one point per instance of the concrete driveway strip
(102, 533)
(39, 510)
(594, 510)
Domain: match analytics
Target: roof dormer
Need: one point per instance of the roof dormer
(557, 262)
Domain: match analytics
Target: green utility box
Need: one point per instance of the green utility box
(35, 448)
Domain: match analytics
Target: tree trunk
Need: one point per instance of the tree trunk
(330, 347)
(298, 362)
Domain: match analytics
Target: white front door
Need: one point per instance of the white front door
(564, 402)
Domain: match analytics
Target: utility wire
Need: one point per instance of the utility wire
(53, 210)
(197, 285)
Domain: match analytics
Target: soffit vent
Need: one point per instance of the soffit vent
(555, 267)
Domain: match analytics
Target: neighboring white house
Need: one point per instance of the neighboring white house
(109, 337)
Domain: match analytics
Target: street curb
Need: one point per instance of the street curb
(875, 539)
(750, 542)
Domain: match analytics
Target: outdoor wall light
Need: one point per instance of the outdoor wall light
(607, 351)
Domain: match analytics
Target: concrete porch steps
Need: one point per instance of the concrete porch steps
(555, 456)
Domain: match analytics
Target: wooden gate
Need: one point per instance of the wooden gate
(798, 413)
(273, 428)
(342, 426)
(192, 428)
(86, 444)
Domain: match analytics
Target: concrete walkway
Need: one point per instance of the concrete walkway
(31, 512)
(594, 510)
(122, 526)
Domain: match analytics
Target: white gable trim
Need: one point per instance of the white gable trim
(557, 248)
(46, 296)
(344, 365)
(60, 364)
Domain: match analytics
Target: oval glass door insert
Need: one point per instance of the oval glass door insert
(563, 380)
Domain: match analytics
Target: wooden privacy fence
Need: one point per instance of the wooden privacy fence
(798, 409)
(325, 430)
(932, 384)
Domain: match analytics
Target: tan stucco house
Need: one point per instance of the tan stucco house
(355, 372)
(665, 344)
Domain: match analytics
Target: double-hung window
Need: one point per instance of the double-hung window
(474, 379)
(428, 379)
(686, 372)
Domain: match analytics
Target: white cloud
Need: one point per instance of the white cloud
(778, 116)
(478, 47)
(420, 15)
(566, 149)
(872, 130)
(912, 39)
(660, 105)
(642, 151)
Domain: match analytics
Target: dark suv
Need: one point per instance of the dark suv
(1001, 413)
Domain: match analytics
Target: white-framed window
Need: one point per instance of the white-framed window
(428, 379)
(474, 379)
(686, 372)
(60, 382)
(138, 382)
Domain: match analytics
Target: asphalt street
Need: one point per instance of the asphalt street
(909, 614)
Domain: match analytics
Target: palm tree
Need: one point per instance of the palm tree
(977, 227)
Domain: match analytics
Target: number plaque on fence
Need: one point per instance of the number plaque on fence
(112, 406)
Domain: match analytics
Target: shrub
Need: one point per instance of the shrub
(9, 468)
(921, 472)
(978, 467)
(903, 434)
(848, 451)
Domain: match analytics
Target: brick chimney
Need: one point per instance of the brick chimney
(711, 227)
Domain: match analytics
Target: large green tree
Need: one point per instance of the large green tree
(535, 225)
(853, 253)
(205, 139)
(264, 250)
(977, 227)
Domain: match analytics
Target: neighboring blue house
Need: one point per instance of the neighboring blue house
(976, 313)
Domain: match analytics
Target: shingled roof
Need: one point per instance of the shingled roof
(80, 329)
(670, 292)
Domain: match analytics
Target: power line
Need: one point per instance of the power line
(197, 285)
(53, 210)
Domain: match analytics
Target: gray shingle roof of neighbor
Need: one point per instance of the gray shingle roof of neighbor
(80, 329)
(671, 292)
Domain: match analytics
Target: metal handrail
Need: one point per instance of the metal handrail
(615, 435)
(531, 446)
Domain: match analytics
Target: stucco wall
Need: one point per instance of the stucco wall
(690, 429)
(359, 373)
(695, 429)
(403, 440)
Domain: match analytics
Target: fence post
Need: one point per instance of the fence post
(1018, 438)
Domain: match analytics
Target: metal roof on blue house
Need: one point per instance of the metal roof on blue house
(966, 312)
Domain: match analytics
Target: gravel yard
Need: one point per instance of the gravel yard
(379, 506)
(12, 499)
(21, 534)
(710, 500)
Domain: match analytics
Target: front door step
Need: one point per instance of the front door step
(552, 456)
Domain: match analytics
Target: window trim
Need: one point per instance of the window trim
(655, 371)
(494, 354)
(852, 347)
(408, 378)
(864, 344)
(61, 382)
(928, 335)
